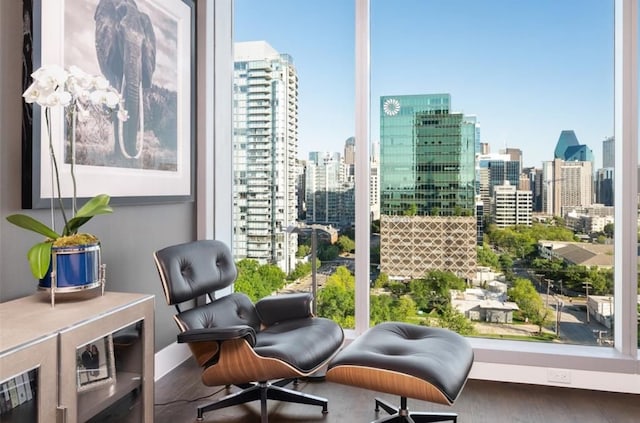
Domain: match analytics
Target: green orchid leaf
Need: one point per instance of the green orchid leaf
(39, 257)
(97, 205)
(31, 224)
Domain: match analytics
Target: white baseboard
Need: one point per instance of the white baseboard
(169, 358)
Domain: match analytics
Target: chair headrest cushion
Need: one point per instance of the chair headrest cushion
(195, 268)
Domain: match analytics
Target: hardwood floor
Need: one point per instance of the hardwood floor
(479, 402)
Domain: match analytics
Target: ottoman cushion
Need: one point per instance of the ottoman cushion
(431, 363)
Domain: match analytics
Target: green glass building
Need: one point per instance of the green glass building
(427, 157)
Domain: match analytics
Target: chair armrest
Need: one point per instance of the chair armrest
(278, 308)
(218, 334)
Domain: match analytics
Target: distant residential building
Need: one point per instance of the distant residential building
(566, 184)
(482, 305)
(493, 170)
(537, 190)
(511, 206)
(350, 151)
(604, 186)
(585, 223)
(265, 149)
(608, 152)
(576, 180)
(329, 190)
(578, 253)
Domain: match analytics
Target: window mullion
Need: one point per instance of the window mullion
(626, 157)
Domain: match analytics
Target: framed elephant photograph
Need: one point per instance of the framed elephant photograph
(137, 147)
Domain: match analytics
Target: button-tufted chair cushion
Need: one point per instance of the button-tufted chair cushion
(193, 269)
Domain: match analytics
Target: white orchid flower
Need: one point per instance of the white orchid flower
(50, 77)
(101, 83)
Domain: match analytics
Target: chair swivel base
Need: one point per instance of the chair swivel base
(402, 415)
(263, 391)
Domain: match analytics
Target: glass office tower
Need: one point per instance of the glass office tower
(427, 187)
(427, 156)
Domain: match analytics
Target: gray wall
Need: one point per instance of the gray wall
(129, 235)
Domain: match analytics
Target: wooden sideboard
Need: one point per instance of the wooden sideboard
(41, 346)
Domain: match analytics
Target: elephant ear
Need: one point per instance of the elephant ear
(106, 36)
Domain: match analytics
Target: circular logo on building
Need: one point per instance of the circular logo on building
(391, 107)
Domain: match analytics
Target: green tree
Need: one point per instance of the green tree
(608, 230)
(328, 252)
(258, 281)
(336, 300)
(432, 291)
(346, 244)
(412, 210)
(385, 308)
(381, 281)
(506, 264)
(524, 294)
(303, 250)
(452, 319)
(487, 257)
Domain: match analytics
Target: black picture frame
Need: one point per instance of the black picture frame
(62, 32)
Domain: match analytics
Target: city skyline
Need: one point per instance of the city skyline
(527, 71)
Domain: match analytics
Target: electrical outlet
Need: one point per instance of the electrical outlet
(558, 376)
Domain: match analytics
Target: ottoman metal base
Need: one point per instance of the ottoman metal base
(402, 415)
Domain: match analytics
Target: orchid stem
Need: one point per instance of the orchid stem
(47, 115)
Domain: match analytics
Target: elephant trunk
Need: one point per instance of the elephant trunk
(133, 98)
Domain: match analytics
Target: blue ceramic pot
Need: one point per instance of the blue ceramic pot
(75, 268)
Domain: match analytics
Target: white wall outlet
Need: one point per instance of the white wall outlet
(558, 376)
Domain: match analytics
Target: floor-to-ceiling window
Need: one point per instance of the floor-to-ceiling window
(294, 151)
(522, 248)
(496, 200)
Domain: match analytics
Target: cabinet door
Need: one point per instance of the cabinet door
(28, 382)
(106, 367)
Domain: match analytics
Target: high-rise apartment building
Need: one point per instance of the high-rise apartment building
(330, 191)
(577, 184)
(265, 147)
(494, 170)
(566, 185)
(427, 187)
(511, 206)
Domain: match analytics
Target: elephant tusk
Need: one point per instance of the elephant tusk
(139, 132)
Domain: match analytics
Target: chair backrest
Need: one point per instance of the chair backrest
(193, 269)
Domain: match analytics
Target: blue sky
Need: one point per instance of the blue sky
(526, 69)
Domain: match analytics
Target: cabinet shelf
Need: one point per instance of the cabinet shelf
(93, 402)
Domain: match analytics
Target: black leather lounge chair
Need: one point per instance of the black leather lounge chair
(239, 343)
